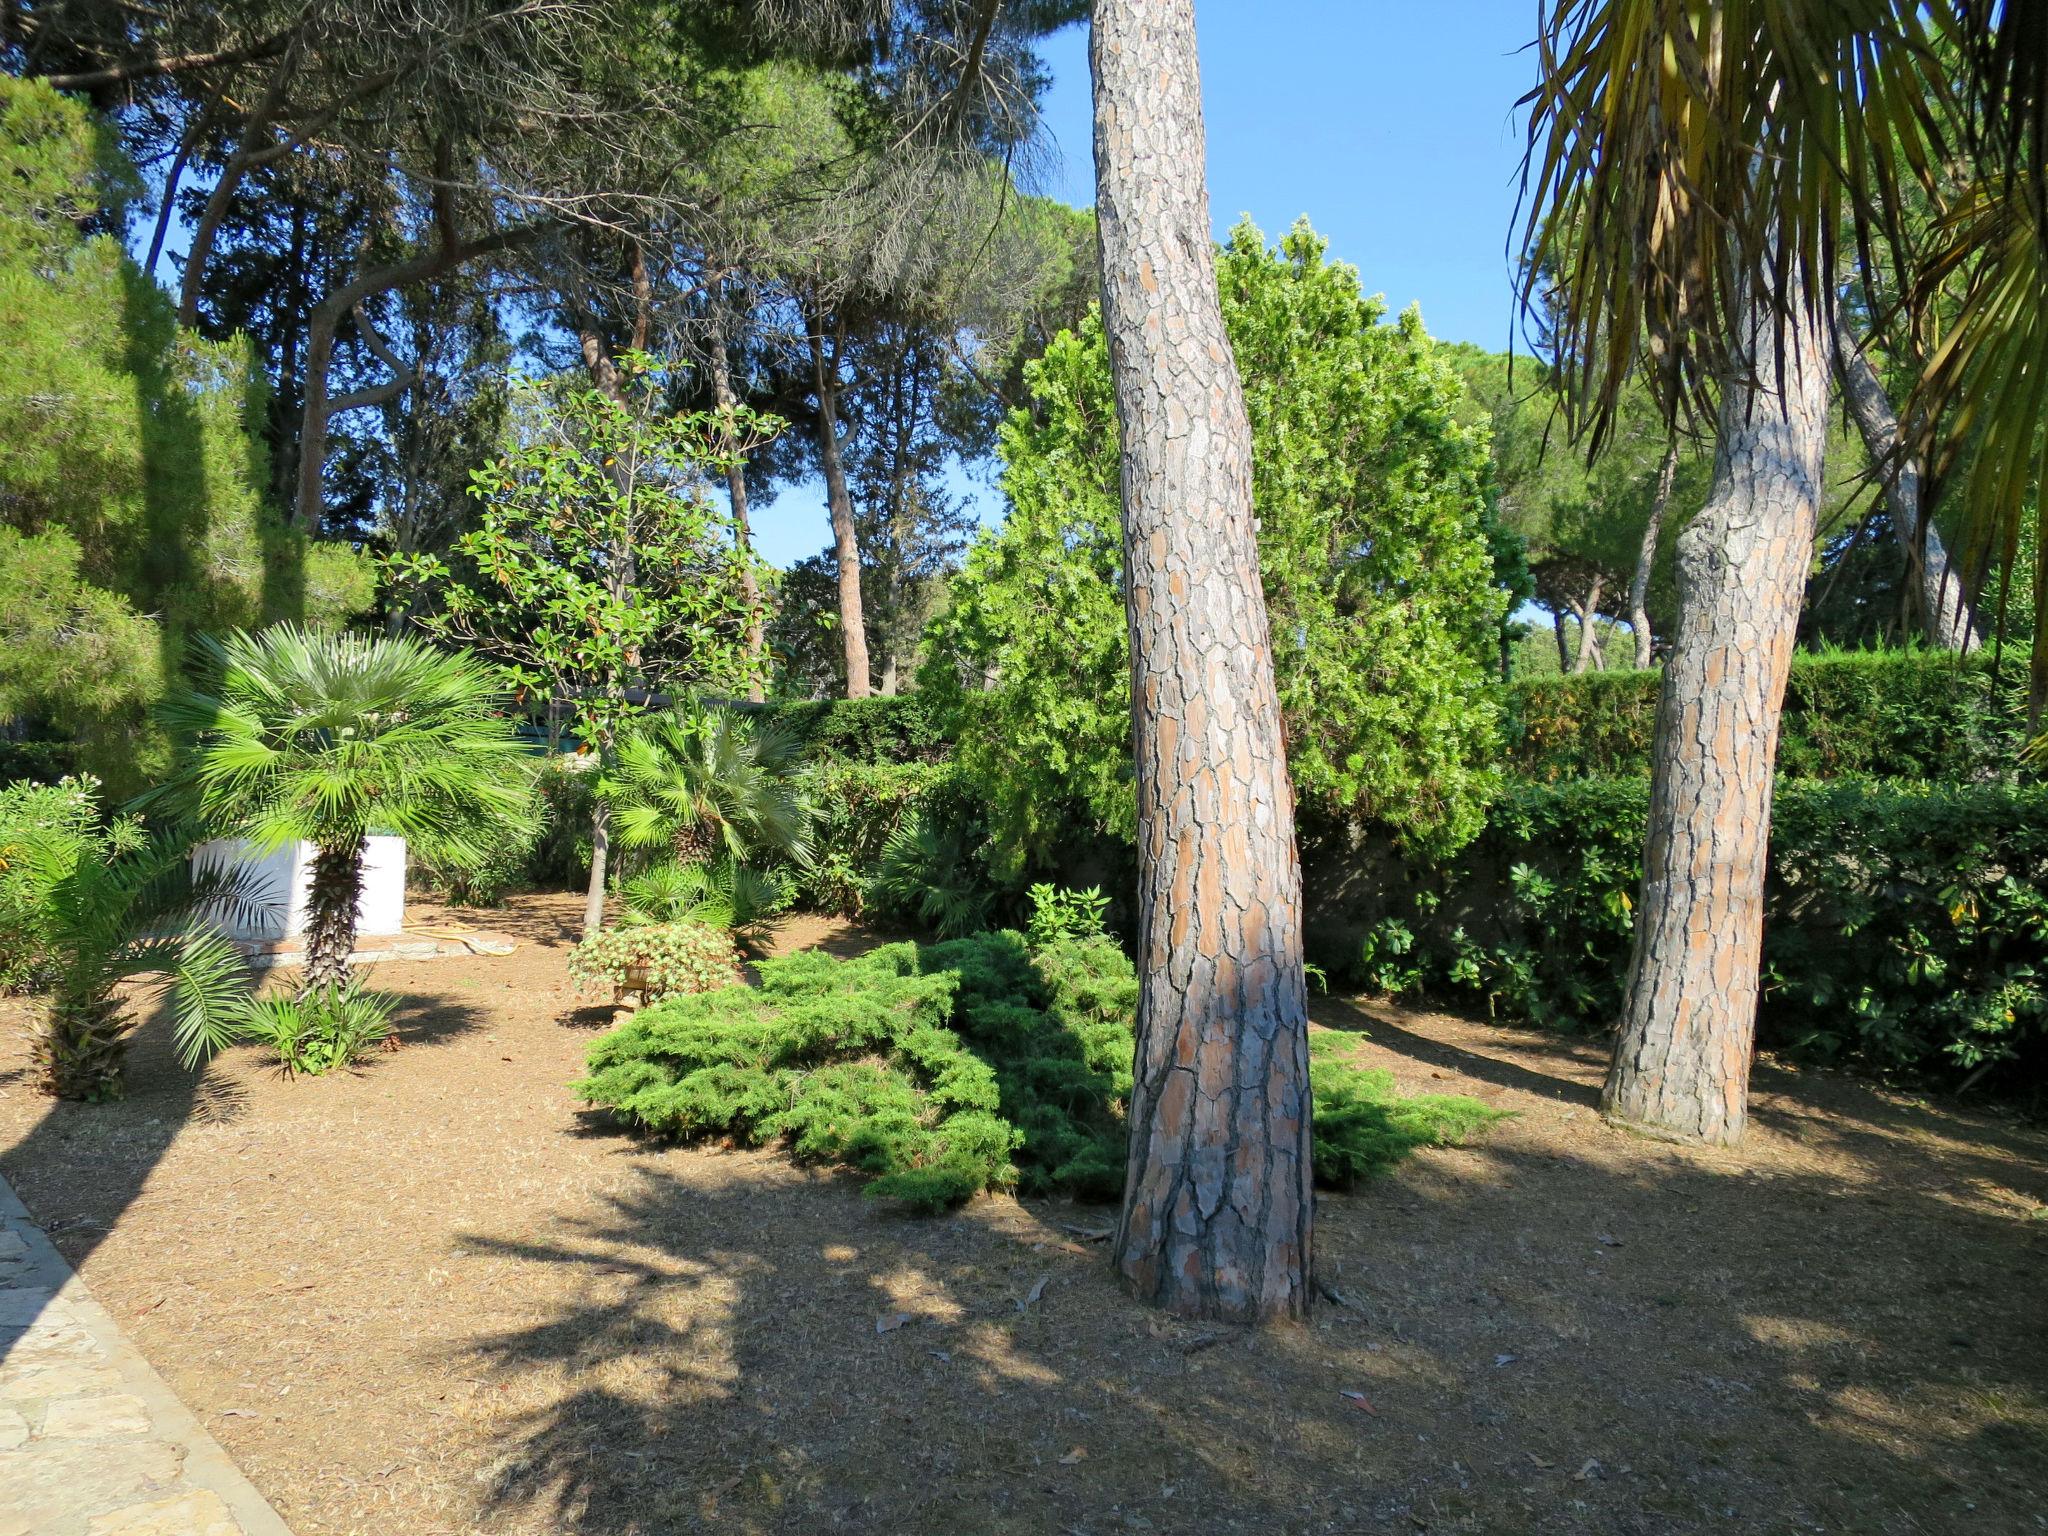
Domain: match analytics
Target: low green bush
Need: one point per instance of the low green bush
(1871, 714)
(949, 1068)
(1905, 926)
(320, 1031)
(658, 960)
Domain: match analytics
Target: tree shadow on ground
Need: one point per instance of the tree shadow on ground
(1564, 1059)
(118, 1144)
(80, 1167)
(1620, 1338)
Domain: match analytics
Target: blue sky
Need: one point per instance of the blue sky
(1390, 123)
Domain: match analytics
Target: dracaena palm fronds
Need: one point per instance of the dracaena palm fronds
(1983, 392)
(1684, 153)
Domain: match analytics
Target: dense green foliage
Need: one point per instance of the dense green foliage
(860, 808)
(896, 728)
(1373, 547)
(132, 509)
(1877, 714)
(658, 959)
(946, 1069)
(1905, 926)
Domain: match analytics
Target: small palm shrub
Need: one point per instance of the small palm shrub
(290, 735)
(67, 809)
(107, 904)
(710, 784)
(746, 903)
(316, 1032)
(658, 960)
(929, 876)
(945, 1069)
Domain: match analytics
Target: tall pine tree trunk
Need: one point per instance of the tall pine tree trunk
(1681, 1062)
(1589, 627)
(1646, 558)
(1218, 1204)
(845, 540)
(1944, 604)
(335, 888)
(736, 489)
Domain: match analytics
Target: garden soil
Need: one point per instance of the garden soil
(436, 1296)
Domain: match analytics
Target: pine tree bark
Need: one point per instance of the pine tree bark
(335, 888)
(1944, 603)
(1218, 1205)
(1681, 1062)
(1646, 559)
(853, 630)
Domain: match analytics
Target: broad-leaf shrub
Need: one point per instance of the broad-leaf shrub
(946, 1069)
(660, 959)
(1905, 926)
(1057, 914)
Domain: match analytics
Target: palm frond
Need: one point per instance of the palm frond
(1683, 157)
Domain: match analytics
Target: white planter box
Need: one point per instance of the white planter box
(281, 881)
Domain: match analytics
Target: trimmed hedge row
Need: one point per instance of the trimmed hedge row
(1905, 927)
(1868, 714)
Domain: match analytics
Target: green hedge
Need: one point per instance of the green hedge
(901, 728)
(1905, 926)
(1873, 714)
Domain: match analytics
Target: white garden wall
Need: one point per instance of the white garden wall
(281, 880)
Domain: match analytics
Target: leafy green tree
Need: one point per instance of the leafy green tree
(292, 736)
(601, 575)
(1372, 545)
(112, 903)
(131, 473)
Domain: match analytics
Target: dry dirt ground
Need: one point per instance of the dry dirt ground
(434, 1297)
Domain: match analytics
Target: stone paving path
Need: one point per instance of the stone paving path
(92, 1443)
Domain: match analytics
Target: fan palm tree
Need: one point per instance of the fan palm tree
(1692, 166)
(118, 908)
(290, 735)
(710, 783)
